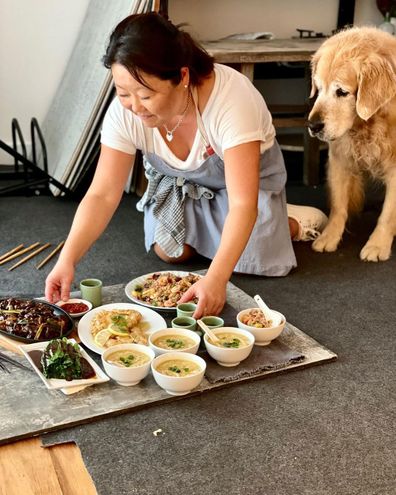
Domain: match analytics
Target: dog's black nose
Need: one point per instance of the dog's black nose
(315, 126)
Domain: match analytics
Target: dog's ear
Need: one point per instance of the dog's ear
(314, 63)
(376, 86)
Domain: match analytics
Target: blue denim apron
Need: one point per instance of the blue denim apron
(269, 251)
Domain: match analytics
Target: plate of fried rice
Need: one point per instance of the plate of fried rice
(160, 290)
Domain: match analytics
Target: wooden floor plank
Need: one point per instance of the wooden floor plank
(28, 468)
(72, 473)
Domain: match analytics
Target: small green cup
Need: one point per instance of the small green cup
(186, 309)
(213, 321)
(91, 290)
(186, 322)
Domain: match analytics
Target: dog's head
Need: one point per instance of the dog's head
(353, 76)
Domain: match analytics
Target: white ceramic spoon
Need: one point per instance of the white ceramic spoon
(268, 313)
(207, 330)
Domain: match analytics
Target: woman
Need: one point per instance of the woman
(216, 174)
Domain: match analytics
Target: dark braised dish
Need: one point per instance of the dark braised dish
(33, 320)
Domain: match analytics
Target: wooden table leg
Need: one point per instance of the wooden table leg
(311, 160)
(248, 70)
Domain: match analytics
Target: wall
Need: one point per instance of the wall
(366, 12)
(212, 19)
(36, 39)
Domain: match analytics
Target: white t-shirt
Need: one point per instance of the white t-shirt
(235, 113)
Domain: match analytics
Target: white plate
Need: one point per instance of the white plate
(55, 383)
(152, 320)
(130, 287)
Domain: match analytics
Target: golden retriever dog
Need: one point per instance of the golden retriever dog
(354, 80)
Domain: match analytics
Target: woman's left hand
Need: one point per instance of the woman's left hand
(211, 295)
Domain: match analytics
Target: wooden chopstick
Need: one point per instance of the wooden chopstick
(12, 251)
(52, 253)
(29, 248)
(26, 258)
(14, 362)
(10, 344)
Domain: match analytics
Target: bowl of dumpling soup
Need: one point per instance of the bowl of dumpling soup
(265, 331)
(234, 345)
(127, 364)
(174, 339)
(178, 373)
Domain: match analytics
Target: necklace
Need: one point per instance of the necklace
(169, 132)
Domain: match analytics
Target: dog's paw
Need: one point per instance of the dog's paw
(326, 243)
(372, 252)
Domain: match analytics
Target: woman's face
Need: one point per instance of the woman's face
(155, 105)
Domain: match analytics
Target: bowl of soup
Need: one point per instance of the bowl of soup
(127, 364)
(174, 339)
(264, 331)
(234, 345)
(178, 373)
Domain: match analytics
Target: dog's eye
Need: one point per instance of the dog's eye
(341, 93)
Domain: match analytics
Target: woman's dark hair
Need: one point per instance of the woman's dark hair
(151, 44)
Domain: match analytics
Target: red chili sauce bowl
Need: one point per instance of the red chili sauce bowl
(75, 307)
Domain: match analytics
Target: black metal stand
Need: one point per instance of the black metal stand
(31, 177)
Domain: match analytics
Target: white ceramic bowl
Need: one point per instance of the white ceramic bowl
(177, 332)
(263, 336)
(75, 301)
(178, 385)
(226, 356)
(127, 376)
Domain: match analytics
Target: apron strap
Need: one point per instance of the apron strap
(208, 147)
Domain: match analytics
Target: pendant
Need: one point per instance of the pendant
(169, 136)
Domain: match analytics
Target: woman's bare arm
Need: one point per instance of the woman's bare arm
(91, 218)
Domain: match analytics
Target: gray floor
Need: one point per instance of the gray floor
(324, 430)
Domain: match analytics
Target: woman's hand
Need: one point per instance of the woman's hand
(58, 282)
(211, 295)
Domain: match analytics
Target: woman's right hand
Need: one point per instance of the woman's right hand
(58, 282)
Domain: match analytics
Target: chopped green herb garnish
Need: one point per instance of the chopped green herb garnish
(119, 320)
(127, 361)
(175, 343)
(234, 343)
(175, 369)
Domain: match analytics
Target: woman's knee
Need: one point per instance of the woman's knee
(188, 253)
